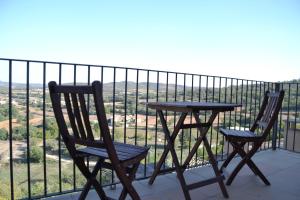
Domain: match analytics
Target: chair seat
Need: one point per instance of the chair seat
(125, 152)
(239, 135)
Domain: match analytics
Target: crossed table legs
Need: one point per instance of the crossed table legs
(203, 128)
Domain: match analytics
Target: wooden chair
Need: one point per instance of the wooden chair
(124, 159)
(259, 131)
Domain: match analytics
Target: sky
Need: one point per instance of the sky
(257, 39)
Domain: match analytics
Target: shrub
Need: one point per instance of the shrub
(19, 133)
(36, 154)
(3, 134)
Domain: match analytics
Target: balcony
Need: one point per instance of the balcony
(35, 164)
(281, 167)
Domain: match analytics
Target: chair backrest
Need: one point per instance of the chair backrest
(71, 112)
(268, 112)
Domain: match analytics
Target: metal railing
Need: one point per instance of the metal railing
(34, 162)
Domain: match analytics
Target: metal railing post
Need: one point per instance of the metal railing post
(275, 127)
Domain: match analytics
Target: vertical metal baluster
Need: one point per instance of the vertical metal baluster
(166, 114)
(88, 106)
(218, 123)
(199, 99)
(288, 112)
(182, 131)
(113, 121)
(246, 105)
(251, 107)
(236, 101)
(44, 129)
(28, 132)
(223, 138)
(206, 98)
(280, 123)
(241, 99)
(156, 119)
(125, 106)
(74, 167)
(136, 104)
(174, 122)
(213, 100)
(59, 140)
(230, 101)
(191, 121)
(10, 131)
(255, 100)
(296, 114)
(100, 173)
(224, 121)
(146, 128)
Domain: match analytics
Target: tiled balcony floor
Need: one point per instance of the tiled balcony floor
(282, 168)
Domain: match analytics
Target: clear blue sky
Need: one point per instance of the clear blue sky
(253, 39)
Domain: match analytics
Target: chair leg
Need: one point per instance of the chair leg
(252, 165)
(131, 176)
(227, 161)
(91, 180)
(244, 161)
(126, 182)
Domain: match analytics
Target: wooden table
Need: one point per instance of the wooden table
(194, 108)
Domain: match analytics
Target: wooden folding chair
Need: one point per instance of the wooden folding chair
(259, 131)
(124, 159)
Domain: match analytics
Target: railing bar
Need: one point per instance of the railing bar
(250, 107)
(213, 100)
(182, 131)
(206, 98)
(166, 113)
(199, 99)
(101, 77)
(218, 123)
(236, 101)
(74, 168)
(136, 104)
(129, 68)
(246, 105)
(223, 138)
(264, 90)
(280, 124)
(288, 112)
(174, 122)
(27, 131)
(156, 120)
(125, 106)
(44, 129)
(296, 114)
(146, 128)
(59, 139)
(114, 113)
(241, 99)
(88, 106)
(10, 130)
(192, 99)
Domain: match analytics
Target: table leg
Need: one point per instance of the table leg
(203, 132)
(211, 157)
(169, 145)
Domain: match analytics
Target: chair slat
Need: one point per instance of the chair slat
(86, 117)
(71, 115)
(78, 115)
